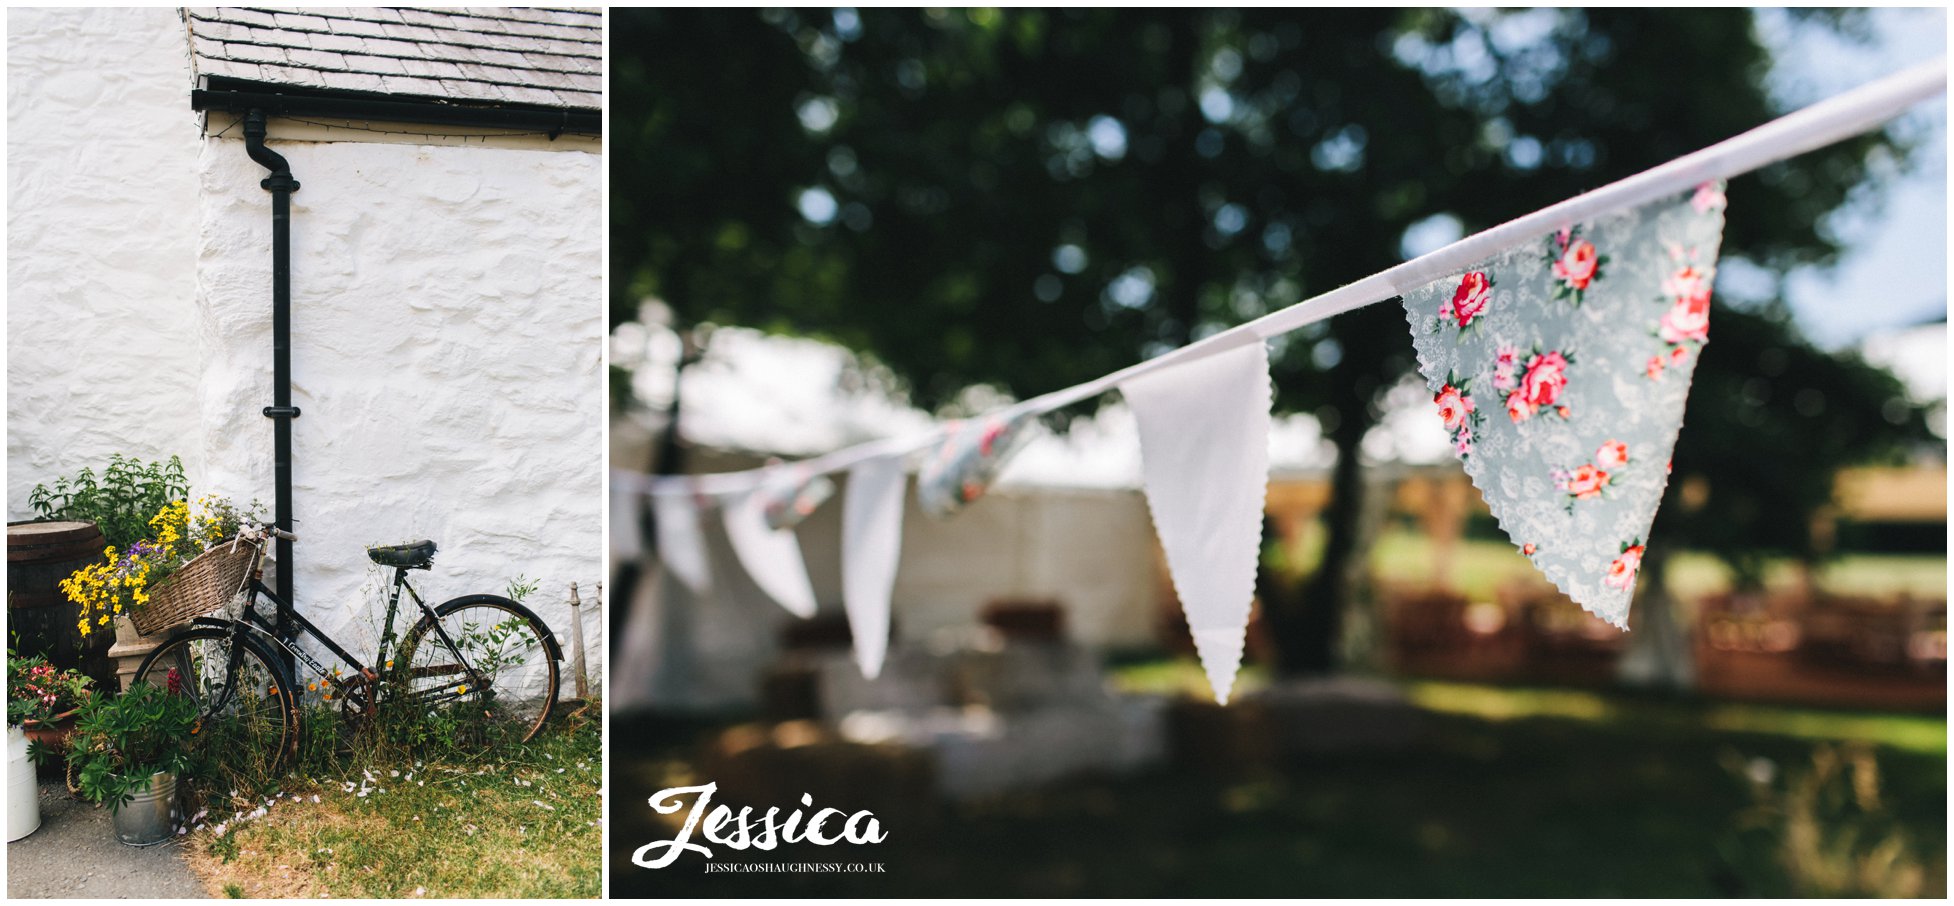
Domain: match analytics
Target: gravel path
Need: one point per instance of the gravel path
(75, 854)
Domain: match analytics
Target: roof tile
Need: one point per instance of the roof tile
(534, 56)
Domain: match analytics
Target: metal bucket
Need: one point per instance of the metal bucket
(23, 792)
(149, 817)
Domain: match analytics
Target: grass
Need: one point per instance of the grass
(1481, 566)
(375, 821)
(1511, 792)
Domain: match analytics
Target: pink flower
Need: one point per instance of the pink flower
(1612, 455)
(1577, 264)
(1453, 406)
(1688, 320)
(1505, 363)
(1687, 283)
(1462, 441)
(1709, 197)
(1621, 573)
(1517, 407)
(1469, 301)
(1584, 482)
(1679, 355)
(1546, 377)
(1528, 548)
(1563, 412)
(989, 439)
(1654, 368)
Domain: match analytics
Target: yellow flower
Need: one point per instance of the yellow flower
(461, 690)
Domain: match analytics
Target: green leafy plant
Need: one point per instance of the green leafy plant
(120, 502)
(119, 742)
(37, 691)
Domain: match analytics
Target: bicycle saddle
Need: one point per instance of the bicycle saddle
(413, 555)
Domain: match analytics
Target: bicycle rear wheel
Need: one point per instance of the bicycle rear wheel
(251, 708)
(482, 658)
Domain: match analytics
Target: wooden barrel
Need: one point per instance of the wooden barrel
(40, 619)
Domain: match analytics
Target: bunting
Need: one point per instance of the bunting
(1560, 370)
(1558, 348)
(871, 543)
(1204, 448)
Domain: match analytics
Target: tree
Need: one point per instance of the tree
(1032, 198)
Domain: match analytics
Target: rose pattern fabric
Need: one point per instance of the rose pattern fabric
(1469, 301)
(1459, 413)
(1575, 262)
(1539, 386)
(966, 461)
(1584, 356)
(792, 497)
(1685, 325)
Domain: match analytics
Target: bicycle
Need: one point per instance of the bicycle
(476, 654)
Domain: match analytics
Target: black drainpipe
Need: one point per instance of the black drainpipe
(281, 185)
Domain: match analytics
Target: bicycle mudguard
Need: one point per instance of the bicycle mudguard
(271, 644)
(549, 635)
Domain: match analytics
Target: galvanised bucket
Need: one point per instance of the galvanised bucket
(149, 817)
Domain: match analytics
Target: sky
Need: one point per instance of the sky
(1896, 270)
(782, 395)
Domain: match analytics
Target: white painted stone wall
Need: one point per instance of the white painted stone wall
(101, 240)
(447, 333)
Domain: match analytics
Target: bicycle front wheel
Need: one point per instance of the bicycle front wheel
(248, 707)
(483, 658)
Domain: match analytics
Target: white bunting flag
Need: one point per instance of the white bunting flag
(771, 556)
(681, 543)
(1204, 448)
(871, 543)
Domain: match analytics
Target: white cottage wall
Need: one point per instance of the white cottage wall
(101, 229)
(447, 332)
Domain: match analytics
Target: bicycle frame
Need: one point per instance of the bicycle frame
(297, 625)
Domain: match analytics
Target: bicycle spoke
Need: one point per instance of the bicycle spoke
(482, 662)
(241, 706)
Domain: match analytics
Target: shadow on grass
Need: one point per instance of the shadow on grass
(1637, 800)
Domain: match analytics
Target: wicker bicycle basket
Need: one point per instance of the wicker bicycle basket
(202, 586)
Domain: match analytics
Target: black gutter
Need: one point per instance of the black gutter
(281, 185)
(241, 97)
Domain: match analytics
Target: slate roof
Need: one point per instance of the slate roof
(495, 55)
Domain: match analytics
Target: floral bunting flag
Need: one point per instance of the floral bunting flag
(1204, 453)
(1560, 370)
(871, 544)
(966, 461)
(793, 496)
(771, 556)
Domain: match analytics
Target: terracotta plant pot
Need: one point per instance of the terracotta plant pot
(53, 732)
